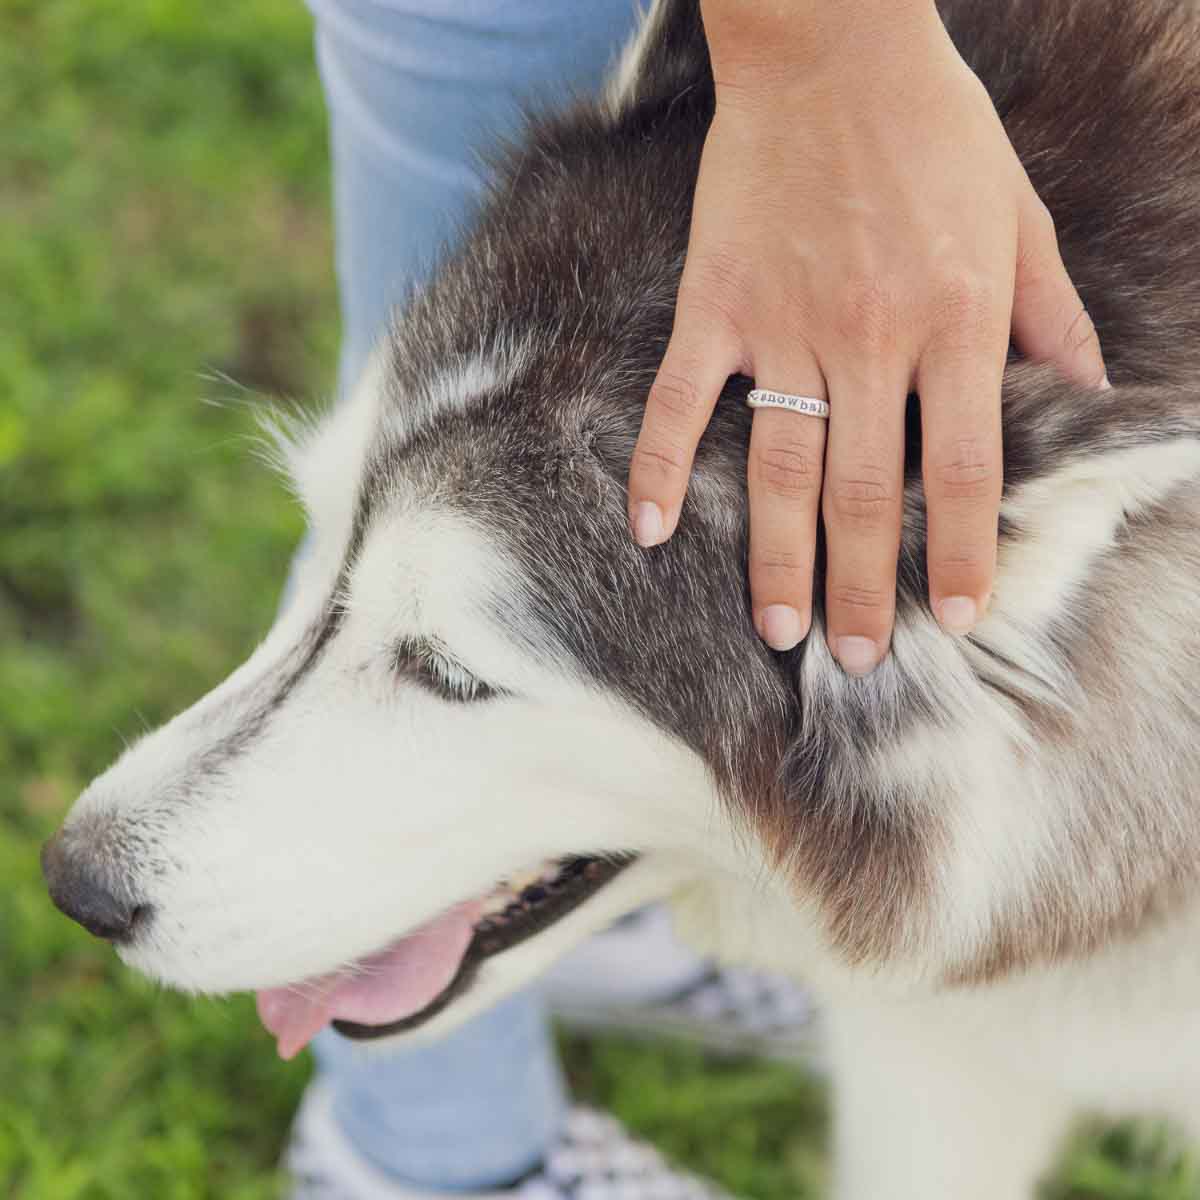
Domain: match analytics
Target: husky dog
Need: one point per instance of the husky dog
(489, 723)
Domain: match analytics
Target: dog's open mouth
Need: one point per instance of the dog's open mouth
(414, 978)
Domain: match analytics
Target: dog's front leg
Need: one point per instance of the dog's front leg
(927, 1111)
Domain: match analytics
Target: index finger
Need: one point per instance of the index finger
(699, 360)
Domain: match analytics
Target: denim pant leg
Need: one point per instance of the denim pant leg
(474, 1111)
(415, 88)
(417, 91)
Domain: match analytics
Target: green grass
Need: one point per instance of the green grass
(163, 223)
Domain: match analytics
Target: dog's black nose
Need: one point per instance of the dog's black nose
(76, 888)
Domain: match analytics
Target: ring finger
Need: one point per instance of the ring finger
(787, 450)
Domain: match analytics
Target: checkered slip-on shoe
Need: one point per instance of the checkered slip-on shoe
(726, 1010)
(638, 979)
(594, 1159)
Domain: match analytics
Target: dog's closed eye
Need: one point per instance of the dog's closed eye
(427, 664)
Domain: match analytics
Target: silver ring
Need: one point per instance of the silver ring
(809, 406)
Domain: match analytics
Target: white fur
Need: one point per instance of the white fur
(369, 805)
(366, 806)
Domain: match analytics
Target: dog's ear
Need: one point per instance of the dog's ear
(1088, 472)
(1094, 479)
(1068, 714)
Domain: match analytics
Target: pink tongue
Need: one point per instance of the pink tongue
(388, 986)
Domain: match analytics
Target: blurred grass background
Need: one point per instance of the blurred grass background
(165, 253)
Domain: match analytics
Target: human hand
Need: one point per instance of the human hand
(862, 228)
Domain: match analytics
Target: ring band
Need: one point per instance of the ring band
(809, 406)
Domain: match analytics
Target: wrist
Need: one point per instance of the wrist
(761, 43)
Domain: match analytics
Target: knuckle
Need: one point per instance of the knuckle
(960, 573)
(1041, 222)
(780, 565)
(787, 472)
(712, 285)
(1034, 266)
(1081, 333)
(796, 313)
(675, 400)
(867, 314)
(861, 599)
(861, 499)
(965, 472)
(1038, 260)
(967, 302)
(962, 559)
(963, 550)
(660, 460)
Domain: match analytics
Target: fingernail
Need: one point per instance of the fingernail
(958, 615)
(1105, 386)
(647, 523)
(781, 626)
(858, 655)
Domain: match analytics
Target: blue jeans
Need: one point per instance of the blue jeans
(415, 89)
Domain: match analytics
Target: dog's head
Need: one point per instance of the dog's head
(486, 722)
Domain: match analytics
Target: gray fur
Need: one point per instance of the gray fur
(564, 290)
(578, 254)
(1016, 809)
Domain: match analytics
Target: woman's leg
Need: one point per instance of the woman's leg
(415, 89)
(475, 1111)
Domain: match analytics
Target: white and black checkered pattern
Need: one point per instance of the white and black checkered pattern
(593, 1159)
(596, 1159)
(637, 978)
(726, 1010)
